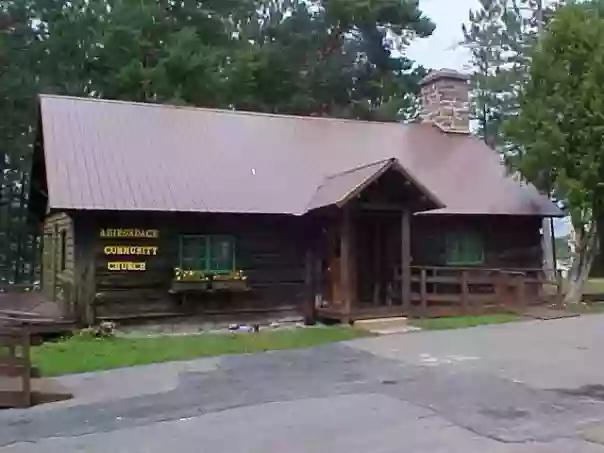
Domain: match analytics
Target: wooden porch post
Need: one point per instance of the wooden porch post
(347, 265)
(309, 282)
(406, 260)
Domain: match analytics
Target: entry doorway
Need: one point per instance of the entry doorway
(378, 248)
(376, 270)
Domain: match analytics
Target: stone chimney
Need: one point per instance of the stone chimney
(445, 100)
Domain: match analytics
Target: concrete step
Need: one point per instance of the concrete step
(385, 326)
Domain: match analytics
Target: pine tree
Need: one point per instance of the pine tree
(500, 35)
(19, 55)
(323, 57)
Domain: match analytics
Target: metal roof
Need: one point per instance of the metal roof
(113, 155)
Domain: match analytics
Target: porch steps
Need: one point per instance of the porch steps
(384, 326)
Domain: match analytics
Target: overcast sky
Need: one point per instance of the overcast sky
(441, 50)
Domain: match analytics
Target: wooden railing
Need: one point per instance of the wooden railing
(444, 291)
(471, 290)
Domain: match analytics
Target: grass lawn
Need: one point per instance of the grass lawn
(594, 286)
(458, 322)
(82, 353)
(587, 307)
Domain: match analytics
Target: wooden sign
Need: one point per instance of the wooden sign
(130, 250)
(126, 266)
(126, 250)
(128, 233)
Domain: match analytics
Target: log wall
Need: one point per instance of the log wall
(58, 262)
(269, 249)
(509, 241)
(285, 259)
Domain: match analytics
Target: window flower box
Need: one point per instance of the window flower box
(230, 285)
(180, 286)
(196, 280)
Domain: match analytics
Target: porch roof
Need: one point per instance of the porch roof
(338, 189)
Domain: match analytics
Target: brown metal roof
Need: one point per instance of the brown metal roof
(112, 155)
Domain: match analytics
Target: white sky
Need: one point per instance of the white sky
(442, 50)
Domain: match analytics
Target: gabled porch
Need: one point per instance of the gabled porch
(373, 256)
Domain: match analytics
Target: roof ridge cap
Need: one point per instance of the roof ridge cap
(223, 111)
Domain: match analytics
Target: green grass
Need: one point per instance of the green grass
(594, 286)
(458, 322)
(586, 307)
(80, 354)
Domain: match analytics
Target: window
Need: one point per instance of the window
(207, 253)
(464, 248)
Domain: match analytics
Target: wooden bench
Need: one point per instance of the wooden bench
(20, 382)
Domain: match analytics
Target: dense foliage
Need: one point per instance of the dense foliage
(343, 58)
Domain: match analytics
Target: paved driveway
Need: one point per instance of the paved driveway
(524, 387)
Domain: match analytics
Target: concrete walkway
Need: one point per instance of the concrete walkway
(533, 386)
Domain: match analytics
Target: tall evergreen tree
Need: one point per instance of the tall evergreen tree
(500, 35)
(19, 56)
(319, 57)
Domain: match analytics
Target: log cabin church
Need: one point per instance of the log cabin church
(156, 210)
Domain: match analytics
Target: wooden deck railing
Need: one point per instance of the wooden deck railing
(442, 291)
(472, 289)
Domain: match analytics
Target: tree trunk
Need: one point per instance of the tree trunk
(585, 250)
(548, 249)
(4, 249)
(8, 271)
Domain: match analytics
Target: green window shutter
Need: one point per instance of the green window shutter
(207, 253)
(464, 248)
(193, 252)
(222, 254)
